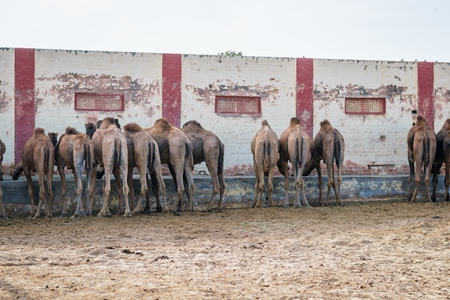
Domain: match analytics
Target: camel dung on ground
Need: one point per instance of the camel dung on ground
(38, 155)
(328, 146)
(175, 150)
(207, 148)
(264, 147)
(294, 146)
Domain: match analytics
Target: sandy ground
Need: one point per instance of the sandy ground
(377, 249)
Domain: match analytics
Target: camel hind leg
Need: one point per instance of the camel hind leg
(212, 168)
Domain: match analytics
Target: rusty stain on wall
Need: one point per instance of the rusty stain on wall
(4, 99)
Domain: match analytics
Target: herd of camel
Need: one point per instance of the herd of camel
(105, 149)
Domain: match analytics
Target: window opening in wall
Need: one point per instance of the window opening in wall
(365, 105)
(99, 101)
(238, 105)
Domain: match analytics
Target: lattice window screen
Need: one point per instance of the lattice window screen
(238, 105)
(100, 102)
(365, 105)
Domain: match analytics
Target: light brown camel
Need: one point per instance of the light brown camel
(328, 146)
(38, 155)
(143, 153)
(294, 146)
(207, 148)
(110, 149)
(264, 148)
(175, 150)
(75, 150)
(2, 208)
(421, 142)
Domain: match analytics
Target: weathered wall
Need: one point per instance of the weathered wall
(59, 74)
(183, 87)
(377, 139)
(7, 102)
(442, 94)
(272, 79)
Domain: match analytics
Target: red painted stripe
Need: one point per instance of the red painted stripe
(304, 93)
(425, 80)
(171, 88)
(23, 98)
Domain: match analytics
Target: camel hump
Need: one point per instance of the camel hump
(295, 120)
(162, 122)
(265, 123)
(192, 123)
(39, 131)
(325, 123)
(421, 121)
(132, 127)
(71, 130)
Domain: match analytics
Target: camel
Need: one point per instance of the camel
(264, 148)
(294, 146)
(75, 150)
(110, 150)
(2, 208)
(328, 146)
(53, 136)
(207, 148)
(2, 151)
(440, 157)
(421, 141)
(446, 150)
(143, 153)
(175, 150)
(38, 155)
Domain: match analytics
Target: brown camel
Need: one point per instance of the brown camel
(294, 146)
(75, 150)
(440, 157)
(175, 150)
(328, 146)
(446, 150)
(143, 153)
(421, 142)
(2, 208)
(209, 149)
(110, 149)
(2, 151)
(264, 148)
(38, 155)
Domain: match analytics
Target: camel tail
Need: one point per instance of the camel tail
(117, 153)
(47, 158)
(337, 150)
(87, 157)
(426, 153)
(189, 154)
(299, 148)
(151, 154)
(221, 155)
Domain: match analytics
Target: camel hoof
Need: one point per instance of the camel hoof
(158, 209)
(176, 213)
(4, 218)
(107, 215)
(127, 214)
(63, 216)
(285, 205)
(135, 212)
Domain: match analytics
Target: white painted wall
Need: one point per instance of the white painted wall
(442, 94)
(7, 102)
(335, 79)
(59, 74)
(204, 77)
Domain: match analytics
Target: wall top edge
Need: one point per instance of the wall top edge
(222, 56)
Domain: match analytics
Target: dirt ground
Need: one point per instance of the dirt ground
(376, 249)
